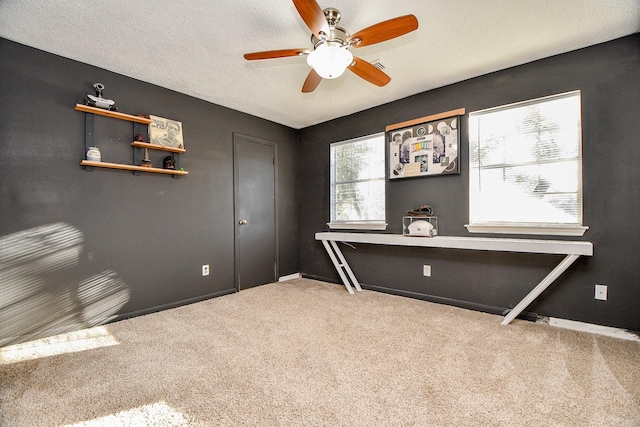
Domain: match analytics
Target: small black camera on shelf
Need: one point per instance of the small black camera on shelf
(98, 101)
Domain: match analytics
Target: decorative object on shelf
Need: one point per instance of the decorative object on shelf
(146, 162)
(100, 102)
(169, 163)
(166, 132)
(426, 146)
(422, 226)
(93, 154)
(423, 210)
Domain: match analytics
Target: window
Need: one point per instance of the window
(357, 183)
(525, 164)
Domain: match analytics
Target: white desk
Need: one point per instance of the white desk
(572, 250)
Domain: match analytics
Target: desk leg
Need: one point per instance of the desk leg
(544, 284)
(345, 265)
(338, 264)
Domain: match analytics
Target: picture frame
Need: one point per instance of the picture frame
(428, 146)
(166, 132)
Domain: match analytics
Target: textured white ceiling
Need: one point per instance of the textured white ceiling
(196, 47)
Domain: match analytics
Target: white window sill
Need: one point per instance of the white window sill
(538, 229)
(358, 225)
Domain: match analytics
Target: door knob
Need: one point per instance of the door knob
(243, 221)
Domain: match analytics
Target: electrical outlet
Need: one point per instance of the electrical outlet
(205, 270)
(426, 270)
(601, 292)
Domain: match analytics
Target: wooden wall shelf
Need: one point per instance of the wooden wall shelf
(113, 114)
(157, 147)
(131, 167)
(138, 121)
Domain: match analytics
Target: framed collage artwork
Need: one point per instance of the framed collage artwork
(428, 146)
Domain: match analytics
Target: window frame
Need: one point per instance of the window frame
(356, 224)
(534, 228)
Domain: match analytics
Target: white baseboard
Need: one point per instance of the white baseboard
(289, 277)
(595, 329)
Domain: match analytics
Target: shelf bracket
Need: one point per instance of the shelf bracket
(88, 136)
(137, 152)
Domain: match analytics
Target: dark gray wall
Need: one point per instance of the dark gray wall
(153, 231)
(607, 74)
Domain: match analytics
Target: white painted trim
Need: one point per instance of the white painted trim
(537, 229)
(289, 277)
(362, 225)
(594, 329)
(565, 247)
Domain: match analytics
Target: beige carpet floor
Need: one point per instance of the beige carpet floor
(306, 353)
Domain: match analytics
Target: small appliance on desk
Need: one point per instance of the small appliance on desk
(420, 222)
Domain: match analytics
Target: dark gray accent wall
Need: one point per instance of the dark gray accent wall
(153, 232)
(608, 77)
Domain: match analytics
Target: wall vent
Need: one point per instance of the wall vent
(378, 64)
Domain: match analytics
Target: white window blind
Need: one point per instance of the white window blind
(526, 167)
(358, 183)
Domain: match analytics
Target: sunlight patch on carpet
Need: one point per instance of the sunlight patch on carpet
(154, 414)
(72, 342)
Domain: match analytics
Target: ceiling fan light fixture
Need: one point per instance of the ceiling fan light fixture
(330, 59)
(330, 55)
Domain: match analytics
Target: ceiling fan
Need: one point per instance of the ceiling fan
(330, 55)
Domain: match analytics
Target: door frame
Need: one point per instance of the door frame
(236, 216)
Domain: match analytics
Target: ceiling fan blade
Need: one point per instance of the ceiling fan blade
(313, 16)
(311, 82)
(368, 72)
(384, 31)
(270, 54)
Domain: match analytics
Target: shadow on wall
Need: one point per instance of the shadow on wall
(38, 297)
